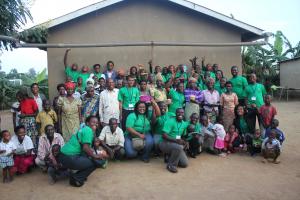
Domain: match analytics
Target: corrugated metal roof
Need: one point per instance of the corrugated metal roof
(184, 3)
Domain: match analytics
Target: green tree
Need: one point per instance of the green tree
(14, 15)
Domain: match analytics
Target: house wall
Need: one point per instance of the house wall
(137, 21)
(290, 73)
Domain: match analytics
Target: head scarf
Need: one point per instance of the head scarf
(70, 85)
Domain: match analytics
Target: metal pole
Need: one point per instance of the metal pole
(117, 44)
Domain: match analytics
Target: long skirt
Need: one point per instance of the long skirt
(191, 108)
(228, 117)
(22, 163)
(30, 128)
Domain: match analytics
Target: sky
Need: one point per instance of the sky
(269, 15)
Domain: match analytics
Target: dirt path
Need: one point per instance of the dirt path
(207, 177)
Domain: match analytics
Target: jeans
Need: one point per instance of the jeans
(77, 162)
(156, 138)
(132, 153)
(176, 152)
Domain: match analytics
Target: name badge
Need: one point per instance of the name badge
(130, 105)
(178, 137)
(253, 98)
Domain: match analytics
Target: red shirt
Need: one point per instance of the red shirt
(28, 107)
(267, 114)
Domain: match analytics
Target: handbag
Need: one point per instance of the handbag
(138, 144)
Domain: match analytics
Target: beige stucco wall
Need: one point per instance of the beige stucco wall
(290, 73)
(136, 21)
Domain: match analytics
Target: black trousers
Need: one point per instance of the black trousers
(125, 114)
(78, 162)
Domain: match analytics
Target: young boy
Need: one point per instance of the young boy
(194, 136)
(55, 169)
(267, 113)
(209, 136)
(46, 117)
(279, 134)
(271, 148)
(255, 146)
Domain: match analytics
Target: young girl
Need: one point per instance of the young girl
(7, 149)
(220, 134)
(231, 140)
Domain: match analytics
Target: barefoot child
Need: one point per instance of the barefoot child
(255, 146)
(7, 149)
(220, 133)
(55, 169)
(267, 113)
(271, 148)
(232, 140)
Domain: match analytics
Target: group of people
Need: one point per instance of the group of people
(173, 112)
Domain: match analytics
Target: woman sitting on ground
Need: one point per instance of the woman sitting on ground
(138, 138)
(23, 158)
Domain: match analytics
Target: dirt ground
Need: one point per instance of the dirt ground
(207, 177)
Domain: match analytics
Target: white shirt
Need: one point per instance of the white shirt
(207, 130)
(109, 105)
(112, 139)
(219, 130)
(23, 147)
(272, 145)
(14, 109)
(8, 147)
(39, 102)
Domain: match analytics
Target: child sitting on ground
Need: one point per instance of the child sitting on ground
(279, 133)
(193, 143)
(271, 148)
(209, 136)
(267, 113)
(232, 140)
(55, 169)
(220, 134)
(7, 149)
(98, 150)
(256, 144)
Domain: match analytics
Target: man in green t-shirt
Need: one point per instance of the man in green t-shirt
(255, 98)
(239, 84)
(71, 71)
(172, 143)
(128, 96)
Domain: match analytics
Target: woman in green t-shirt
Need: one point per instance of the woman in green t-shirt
(74, 154)
(138, 127)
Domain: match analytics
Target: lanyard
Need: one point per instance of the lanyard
(178, 128)
(254, 89)
(130, 96)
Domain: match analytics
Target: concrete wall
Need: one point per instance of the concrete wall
(290, 73)
(136, 21)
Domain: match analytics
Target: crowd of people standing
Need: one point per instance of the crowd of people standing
(173, 112)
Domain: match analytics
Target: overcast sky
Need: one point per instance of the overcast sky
(269, 15)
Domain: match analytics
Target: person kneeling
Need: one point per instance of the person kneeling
(55, 169)
(112, 138)
(271, 148)
(172, 143)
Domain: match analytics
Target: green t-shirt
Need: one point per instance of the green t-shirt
(255, 94)
(185, 76)
(243, 126)
(72, 147)
(167, 77)
(139, 123)
(70, 73)
(84, 77)
(212, 75)
(160, 121)
(177, 100)
(173, 128)
(99, 75)
(257, 142)
(239, 84)
(128, 97)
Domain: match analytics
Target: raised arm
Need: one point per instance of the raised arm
(66, 58)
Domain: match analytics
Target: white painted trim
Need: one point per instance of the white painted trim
(184, 3)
